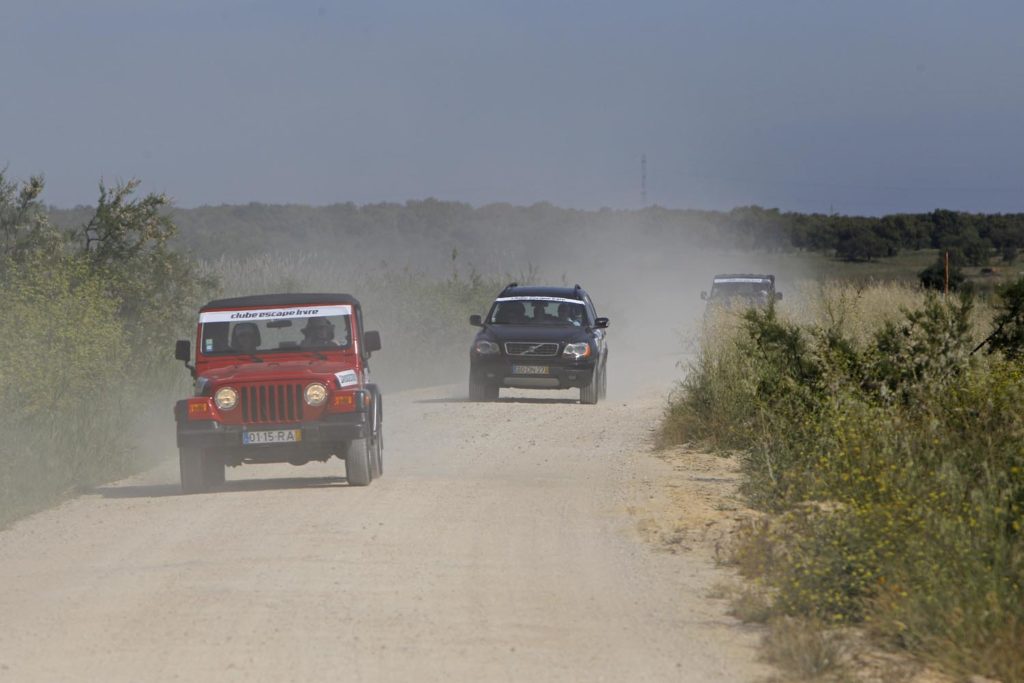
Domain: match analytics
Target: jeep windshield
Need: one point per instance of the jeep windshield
(275, 330)
(538, 311)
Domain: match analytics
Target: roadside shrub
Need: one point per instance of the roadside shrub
(1008, 336)
(61, 365)
(752, 604)
(85, 359)
(893, 460)
(934, 276)
(64, 341)
(715, 402)
(803, 648)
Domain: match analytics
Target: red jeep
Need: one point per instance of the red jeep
(279, 378)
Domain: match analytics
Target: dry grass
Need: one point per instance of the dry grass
(752, 604)
(858, 310)
(804, 648)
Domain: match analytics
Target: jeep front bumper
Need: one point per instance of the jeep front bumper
(331, 431)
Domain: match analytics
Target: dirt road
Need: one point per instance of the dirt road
(507, 541)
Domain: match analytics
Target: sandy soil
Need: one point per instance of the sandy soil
(529, 539)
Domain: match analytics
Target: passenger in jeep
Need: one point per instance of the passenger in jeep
(318, 332)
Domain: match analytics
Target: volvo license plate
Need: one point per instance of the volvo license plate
(272, 436)
(530, 369)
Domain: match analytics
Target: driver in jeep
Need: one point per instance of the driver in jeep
(245, 338)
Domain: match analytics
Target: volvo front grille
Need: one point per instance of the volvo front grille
(532, 349)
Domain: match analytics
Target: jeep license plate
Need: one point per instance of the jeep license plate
(530, 369)
(272, 436)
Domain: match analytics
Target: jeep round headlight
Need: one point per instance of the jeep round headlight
(226, 398)
(577, 351)
(316, 394)
(485, 348)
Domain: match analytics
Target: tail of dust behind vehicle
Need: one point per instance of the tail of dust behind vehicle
(280, 378)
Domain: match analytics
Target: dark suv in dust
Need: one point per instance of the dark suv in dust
(539, 338)
(747, 289)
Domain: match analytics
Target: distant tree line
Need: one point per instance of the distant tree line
(241, 230)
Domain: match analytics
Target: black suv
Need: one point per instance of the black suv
(539, 338)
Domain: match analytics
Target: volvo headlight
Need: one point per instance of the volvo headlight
(577, 351)
(316, 394)
(226, 398)
(486, 348)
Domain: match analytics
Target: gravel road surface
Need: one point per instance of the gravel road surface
(507, 541)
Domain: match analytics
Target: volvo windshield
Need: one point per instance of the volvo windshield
(527, 310)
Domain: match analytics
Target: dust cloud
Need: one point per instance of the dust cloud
(648, 283)
(650, 289)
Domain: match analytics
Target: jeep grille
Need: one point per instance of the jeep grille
(532, 349)
(272, 403)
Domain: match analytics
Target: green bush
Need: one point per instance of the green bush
(65, 341)
(61, 366)
(85, 360)
(894, 464)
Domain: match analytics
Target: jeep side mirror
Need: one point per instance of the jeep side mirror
(182, 350)
(371, 341)
(703, 296)
(778, 296)
(476, 321)
(601, 323)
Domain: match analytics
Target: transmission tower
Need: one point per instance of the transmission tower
(643, 179)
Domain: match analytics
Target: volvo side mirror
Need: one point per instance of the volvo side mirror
(476, 321)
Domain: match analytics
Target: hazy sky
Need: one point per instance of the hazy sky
(859, 106)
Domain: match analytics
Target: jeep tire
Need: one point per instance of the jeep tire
(377, 457)
(378, 437)
(357, 463)
(213, 469)
(193, 470)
